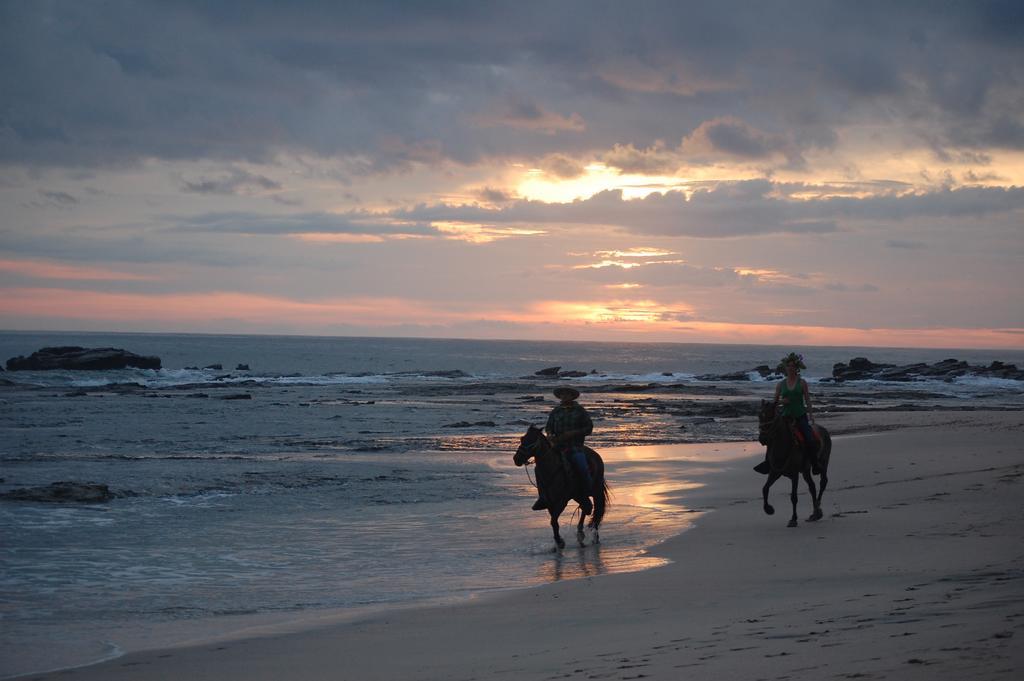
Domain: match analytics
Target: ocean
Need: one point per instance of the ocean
(339, 475)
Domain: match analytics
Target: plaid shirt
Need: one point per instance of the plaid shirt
(572, 417)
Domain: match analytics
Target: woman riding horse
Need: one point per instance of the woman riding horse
(795, 398)
(787, 454)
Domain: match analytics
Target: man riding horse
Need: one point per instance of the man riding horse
(567, 426)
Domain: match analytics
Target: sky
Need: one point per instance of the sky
(797, 173)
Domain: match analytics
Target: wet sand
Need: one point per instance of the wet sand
(914, 573)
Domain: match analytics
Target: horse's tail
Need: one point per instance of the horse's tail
(601, 500)
(826, 448)
(602, 492)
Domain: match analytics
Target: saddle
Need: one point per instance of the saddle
(798, 435)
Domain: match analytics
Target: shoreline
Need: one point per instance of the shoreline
(683, 466)
(908, 558)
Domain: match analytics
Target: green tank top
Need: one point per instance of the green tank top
(795, 407)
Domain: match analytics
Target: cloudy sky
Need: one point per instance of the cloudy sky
(834, 173)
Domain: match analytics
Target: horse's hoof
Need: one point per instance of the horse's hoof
(769, 509)
(560, 543)
(792, 523)
(817, 515)
(597, 538)
(580, 537)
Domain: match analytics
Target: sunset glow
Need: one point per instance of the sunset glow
(634, 184)
(37, 269)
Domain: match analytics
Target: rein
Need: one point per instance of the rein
(526, 464)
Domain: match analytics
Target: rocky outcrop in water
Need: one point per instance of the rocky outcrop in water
(764, 371)
(75, 358)
(467, 424)
(62, 492)
(861, 369)
(556, 372)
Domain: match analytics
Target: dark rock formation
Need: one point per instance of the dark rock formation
(861, 368)
(62, 492)
(76, 358)
(467, 424)
(242, 367)
(215, 367)
(556, 372)
(764, 371)
(447, 373)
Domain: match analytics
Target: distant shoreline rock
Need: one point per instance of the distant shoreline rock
(862, 369)
(74, 358)
(763, 370)
(63, 492)
(556, 372)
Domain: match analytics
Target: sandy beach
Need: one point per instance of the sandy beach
(914, 573)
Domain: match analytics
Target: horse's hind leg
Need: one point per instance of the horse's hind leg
(772, 477)
(580, 535)
(815, 499)
(824, 483)
(792, 497)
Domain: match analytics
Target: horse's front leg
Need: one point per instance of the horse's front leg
(580, 534)
(559, 542)
(772, 477)
(792, 498)
(815, 499)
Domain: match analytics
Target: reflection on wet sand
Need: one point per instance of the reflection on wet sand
(573, 563)
(702, 452)
(657, 495)
(649, 488)
(592, 560)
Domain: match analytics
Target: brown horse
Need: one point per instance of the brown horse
(558, 487)
(787, 457)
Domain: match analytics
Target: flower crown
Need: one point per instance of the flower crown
(791, 357)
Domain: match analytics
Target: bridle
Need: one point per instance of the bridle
(530, 454)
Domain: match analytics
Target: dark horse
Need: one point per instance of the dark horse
(786, 457)
(558, 487)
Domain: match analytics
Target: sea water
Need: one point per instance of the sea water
(339, 474)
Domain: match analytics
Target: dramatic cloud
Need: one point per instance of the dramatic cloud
(528, 115)
(667, 169)
(730, 209)
(291, 224)
(235, 182)
(118, 82)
